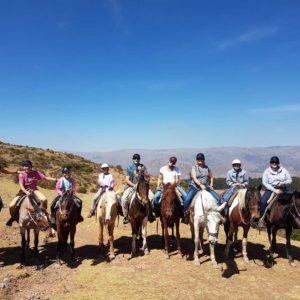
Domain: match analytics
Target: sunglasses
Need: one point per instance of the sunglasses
(274, 163)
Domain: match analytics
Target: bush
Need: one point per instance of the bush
(47, 184)
(3, 162)
(93, 190)
(296, 235)
(82, 190)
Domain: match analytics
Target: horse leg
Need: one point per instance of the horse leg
(144, 234)
(100, 237)
(196, 242)
(270, 260)
(229, 240)
(212, 255)
(166, 235)
(134, 235)
(59, 244)
(244, 242)
(111, 241)
(72, 242)
(23, 243)
(173, 237)
(179, 252)
(288, 232)
(201, 240)
(36, 241)
(28, 239)
(274, 244)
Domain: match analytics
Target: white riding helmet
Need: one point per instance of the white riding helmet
(236, 162)
(104, 166)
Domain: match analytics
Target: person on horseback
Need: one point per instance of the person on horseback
(28, 180)
(64, 184)
(276, 179)
(168, 174)
(5, 171)
(106, 181)
(201, 178)
(236, 179)
(134, 171)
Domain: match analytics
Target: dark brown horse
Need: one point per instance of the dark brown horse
(244, 209)
(67, 216)
(138, 214)
(283, 214)
(170, 215)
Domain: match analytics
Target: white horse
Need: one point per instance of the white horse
(106, 216)
(205, 215)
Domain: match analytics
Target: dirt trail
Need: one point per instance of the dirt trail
(147, 277)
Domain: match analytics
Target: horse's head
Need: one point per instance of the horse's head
(109, 205)
(66, 204)
(252, 202)
(143, 190)
(169, 197)
(39, 216)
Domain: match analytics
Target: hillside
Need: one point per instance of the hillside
(255, 160)
(51, 162)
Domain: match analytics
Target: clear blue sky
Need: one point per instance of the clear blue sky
(101, 75)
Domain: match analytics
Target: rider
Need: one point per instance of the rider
(105, 181)
(201, 178)
(236, 179)
(167, 174)
(64, 184)
(5, 171)
(28, 180)
(135, 170)
(276, 179)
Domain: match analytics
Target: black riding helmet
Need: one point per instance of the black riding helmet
(200, 156)
(66, 170)
(26, 163)
(274, 159)
(136, 156)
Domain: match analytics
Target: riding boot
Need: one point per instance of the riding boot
(14, 217)
(151, 217)
(91, 213)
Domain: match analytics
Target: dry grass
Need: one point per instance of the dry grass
(147, 277)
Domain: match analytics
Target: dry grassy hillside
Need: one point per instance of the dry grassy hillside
(51, 162)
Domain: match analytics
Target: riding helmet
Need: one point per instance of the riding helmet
(274, 159)
(136, 156)
(200, 156)
(236, 162)
(173, 159)
(66, 170)
(26, 163)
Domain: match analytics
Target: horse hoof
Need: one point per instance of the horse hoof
(197, 263)
(112, 257)
(201, 252)
(179, 255)
(167, 256)
(246, 260)
(292, 264)
(215, 265)
(146, 252)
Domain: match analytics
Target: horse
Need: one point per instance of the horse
(138, 214)
(284, 213)
(170, 214)
(31, 216)
(205, 215)
(244, 209)
(67, 216)
(106, 215)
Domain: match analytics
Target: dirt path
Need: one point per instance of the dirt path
(147, 277)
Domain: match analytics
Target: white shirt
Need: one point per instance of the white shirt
(105, 179)
(169, 176)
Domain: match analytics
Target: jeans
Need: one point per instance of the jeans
(158, 195)
(264, 201)
(216, 196)
(228, 194)
(95, 198)
(190, 195)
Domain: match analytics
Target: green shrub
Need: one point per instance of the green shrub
(296, 235)
(93, 190)
(47, 184)
(3, 162)
(82, 190)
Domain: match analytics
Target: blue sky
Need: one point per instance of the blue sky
(102, 75)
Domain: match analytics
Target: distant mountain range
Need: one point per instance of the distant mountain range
(255, 160)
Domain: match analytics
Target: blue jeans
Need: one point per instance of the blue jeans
(158, 194)
(228, 194)
(264, 201)
(216, 196)
(190, 195)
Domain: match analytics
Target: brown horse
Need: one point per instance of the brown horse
(243, 210)
(106, 216)
(67, 216)
(170, 215)
(283, 214)
(138, 214)
(31, 216)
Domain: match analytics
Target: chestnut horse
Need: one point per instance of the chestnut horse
(284, 213)
(170, 214)
(244, 209)
(138, 214)
(67, 216)
(106, 215)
